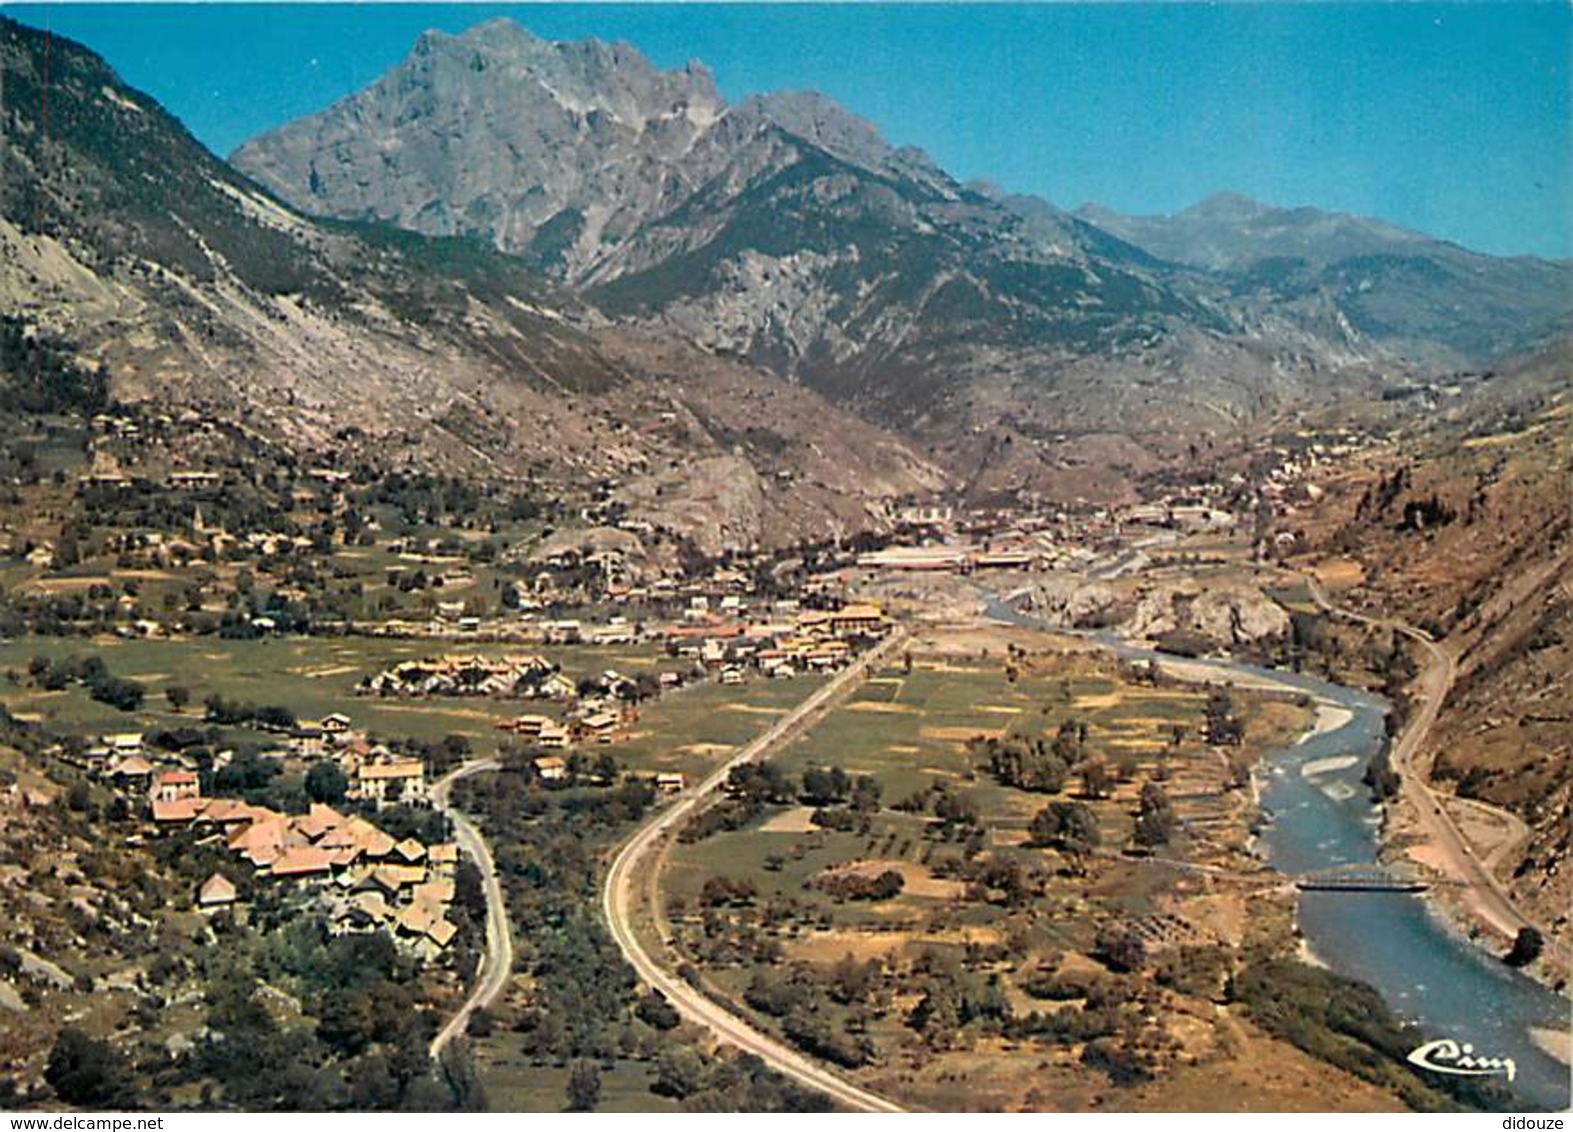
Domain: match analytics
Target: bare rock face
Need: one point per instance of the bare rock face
(718, 502)
(1238, 616)
(559, 152)
(1222, 616)
(790, 233)
(1070, 601)
(125, 240)
(552, 150)
(785, 231)
(782, 229)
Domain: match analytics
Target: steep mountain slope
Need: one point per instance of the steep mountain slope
(1429, 300)
(1463, 528)
(552, 151)
(785, 230)
(782, 229)
(121, 235)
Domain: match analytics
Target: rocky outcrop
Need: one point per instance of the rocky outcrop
(1224, 617)
(555, 151)
(1070, 601)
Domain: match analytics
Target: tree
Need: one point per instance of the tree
(1121, 948)
(124, 695)
(325, 782)
(469, 890)
(954, 809)
(86, 1072)
(584, 1086)
(823, 786)
(1155, 821)
(865, 794)
(937, 1016)
(679, 1072)
(1527, 946)
(1095, 779)
(654, 1010)
(1028, 766)
(1222, 727)
(1071, 827)
(178, 696)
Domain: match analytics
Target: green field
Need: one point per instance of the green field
(516, 1083)
(692, 729)
(909, 730)
(312, 676)
(688, 730)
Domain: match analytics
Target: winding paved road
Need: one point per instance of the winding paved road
(1491, 899)
(497, 960)
(619, 892)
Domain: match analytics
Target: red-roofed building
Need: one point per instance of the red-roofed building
(302, 860)
(178, 810)
(218, 891)
(262, 842)
(173, 785)
(319, 820)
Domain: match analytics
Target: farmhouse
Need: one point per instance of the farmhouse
(600, 726)
(867, 620)
(399, 780)
(175, 786)
(126, 743)
(135, 773)
(538, 731)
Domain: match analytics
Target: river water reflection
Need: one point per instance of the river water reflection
(1322, 817)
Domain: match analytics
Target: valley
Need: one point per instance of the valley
(540, 586)
(894, 837)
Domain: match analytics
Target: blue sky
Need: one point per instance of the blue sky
(1453, 119)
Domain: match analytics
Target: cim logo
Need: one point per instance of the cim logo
(1447, 1056)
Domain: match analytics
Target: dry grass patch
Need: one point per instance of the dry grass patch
(797, 820)
(917, 880)
(959, 734)
(1098, 702)
(324, 673)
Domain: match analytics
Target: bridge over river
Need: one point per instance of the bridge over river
(1359, 878)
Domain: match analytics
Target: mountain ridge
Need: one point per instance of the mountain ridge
(1435, 302)
(194, 286)
(785, 230)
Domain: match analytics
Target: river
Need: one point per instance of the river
(1322, 817)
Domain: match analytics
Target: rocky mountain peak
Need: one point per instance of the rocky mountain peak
(826, 124)
(788, 230)
(551, 150)
(1227, 207)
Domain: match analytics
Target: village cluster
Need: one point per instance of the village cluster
(362, 877)
(365, 879)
